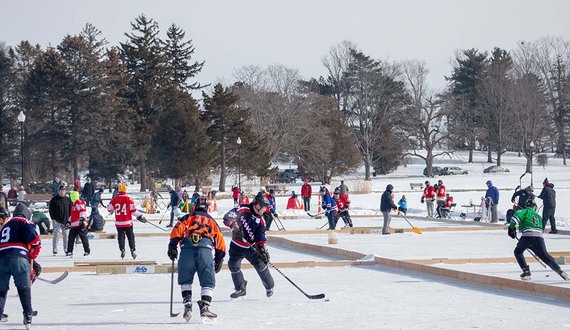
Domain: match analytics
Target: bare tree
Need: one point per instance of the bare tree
(424, 122)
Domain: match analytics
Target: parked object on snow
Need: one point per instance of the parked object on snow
(495, 169)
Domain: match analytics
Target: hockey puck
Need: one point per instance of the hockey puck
(547, 275)
(327, 299)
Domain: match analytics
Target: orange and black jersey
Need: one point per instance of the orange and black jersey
(199, 225)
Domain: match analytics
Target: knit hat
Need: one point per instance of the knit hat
(545, 182)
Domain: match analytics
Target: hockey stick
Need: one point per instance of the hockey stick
(278, 222)
(163, 215)
(534, 255)
(323, 226)
(414, 229)
(152, 224)
(310, 296)
(315, 215)
(57, 280)
(172, 314)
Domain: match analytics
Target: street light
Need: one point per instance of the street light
(531, 150)
(239, 163)
(21, 120)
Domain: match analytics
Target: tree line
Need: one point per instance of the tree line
(108, 108)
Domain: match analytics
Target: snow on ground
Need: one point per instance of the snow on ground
(359, 297)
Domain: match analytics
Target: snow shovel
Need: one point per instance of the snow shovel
(414, 229)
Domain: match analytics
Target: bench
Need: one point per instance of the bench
(33, 198)
(418, 185)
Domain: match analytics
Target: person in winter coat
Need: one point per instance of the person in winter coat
(87, 192)
(306, 192)
(440, 197)
(386, 206)
(78, 224)
(59, 211)
(523, 195)
(403, 205)
(249, 242)
(235, 195)
(124, 208)
(55, 186)
(16, 250)
(270, 212)
(428, 197)
(492, 199)
(174, 201)
(202, 251)
(530, 225)
(548, 196)
(329, 205)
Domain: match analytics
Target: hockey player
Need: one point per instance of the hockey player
(198, 235)
(78, 225)
(17, 234)
(124, 208)
(342, 203)
(270, 212)
(249, 242)
(530, 225)
(330, 207)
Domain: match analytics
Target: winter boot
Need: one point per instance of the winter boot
(205, 311)
(134, 254)
(525, 276)
(4, 318)
(563, 275)
(241, 291)
(122, 254)
(27, 320)
(187, 307)
(269, 292)
(69, 254)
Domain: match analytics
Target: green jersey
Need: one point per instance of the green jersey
(529, 222)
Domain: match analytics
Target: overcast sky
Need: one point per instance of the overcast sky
(298, 34)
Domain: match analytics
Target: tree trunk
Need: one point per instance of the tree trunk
(142, 173)
(223, 173)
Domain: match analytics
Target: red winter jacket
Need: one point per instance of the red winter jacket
(440, 195)
(306, 190)
(429, 192)
(235, 192)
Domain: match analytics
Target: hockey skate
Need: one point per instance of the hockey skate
(525, 276)
(564, 275)
(269, 292)
(134, 254)
(122, 254)
(187, 309)
(241, 292)
(27, 320)
(4, 318)
(205, 313)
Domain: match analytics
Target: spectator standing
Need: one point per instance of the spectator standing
(523, 195)
(306, 192)
(548, 196)
(16, 250)
(270, 211)
(55, 186)
(343, 188)
(403, 205)
(12, 195)
(124, 208)
(174, 201)
(199, 237)
(78, 224)
(249, 242)
(329, 205)
(59, 212)
(342, 202)
(386, 206)
(530, 225)
(428, 197)
(77, 184)
(492, 198)
(21, 195)
(235, 195)
(440, 192)
(88, 191)
(3, 199)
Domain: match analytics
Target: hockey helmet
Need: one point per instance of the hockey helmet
(323, 189)
(531, 203)
(261, 200)
(201, 204)
(122, 188)
(336, 190)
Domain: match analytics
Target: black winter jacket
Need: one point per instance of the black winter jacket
(548, 196)
(60, 208)
(386, 202)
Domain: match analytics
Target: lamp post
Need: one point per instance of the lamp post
(531, 151)
(239, 162)
(21, 120)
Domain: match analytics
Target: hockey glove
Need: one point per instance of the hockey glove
(218, 265)
(172, 252)
(33, 275)
(237, 232)
(141, 218)
(512, 232)
(263, 253)
(67, 226)
(34, 251)
(422, 200)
